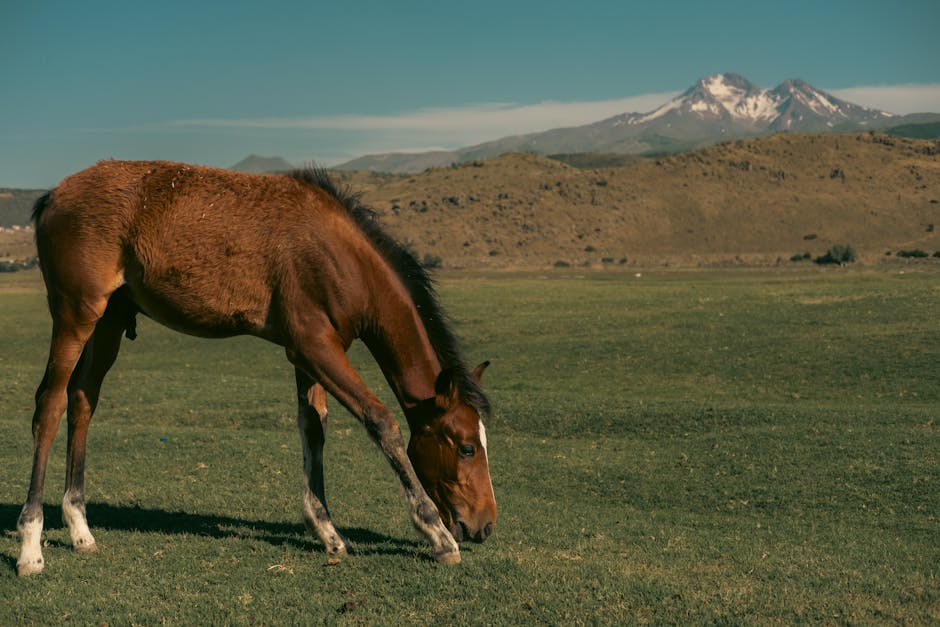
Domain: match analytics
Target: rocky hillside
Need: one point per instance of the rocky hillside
(16, 206)
(758, 201)
(755, 201)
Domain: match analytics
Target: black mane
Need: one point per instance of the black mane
(39, 206)
(419, 283)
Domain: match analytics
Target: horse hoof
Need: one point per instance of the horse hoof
(450, 558)
(337, 551)
(86, 547)
(29, 568)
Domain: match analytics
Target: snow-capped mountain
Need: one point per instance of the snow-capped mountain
(715, 108)
(804, 108)
(731, 99)
(725, 97)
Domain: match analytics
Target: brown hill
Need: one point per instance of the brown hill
(16, 206)
(757, 201)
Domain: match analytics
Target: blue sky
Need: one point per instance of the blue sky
(211, 82)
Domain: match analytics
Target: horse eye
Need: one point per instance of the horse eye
(466, 450)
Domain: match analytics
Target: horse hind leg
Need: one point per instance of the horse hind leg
(73, 324)
(83, 394)
(311, 421)
(30, 520)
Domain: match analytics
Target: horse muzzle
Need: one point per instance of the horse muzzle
(462, 532)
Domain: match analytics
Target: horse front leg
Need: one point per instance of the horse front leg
(311, 421)
(331, 368)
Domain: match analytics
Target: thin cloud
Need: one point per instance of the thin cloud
(493, 119)
(447, 126)
(901, 99)
(343, 137)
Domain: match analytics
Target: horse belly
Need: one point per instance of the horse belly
(205, 290)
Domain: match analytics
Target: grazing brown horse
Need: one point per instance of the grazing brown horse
(288, 258)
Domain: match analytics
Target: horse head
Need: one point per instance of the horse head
(449, 455)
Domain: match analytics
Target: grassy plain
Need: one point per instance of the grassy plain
(732, 447)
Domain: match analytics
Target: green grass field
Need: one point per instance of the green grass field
(731, 447)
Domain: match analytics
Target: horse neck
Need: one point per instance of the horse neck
(400, 345)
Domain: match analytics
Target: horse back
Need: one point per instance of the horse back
(205, 251)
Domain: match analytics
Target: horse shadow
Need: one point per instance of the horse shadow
(142, 520)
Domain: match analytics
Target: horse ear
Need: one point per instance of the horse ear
(445, 388)
(478, 372)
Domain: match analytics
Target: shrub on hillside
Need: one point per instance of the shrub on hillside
(14, 265)
(431, 261)
(840, 254)
(913, 254)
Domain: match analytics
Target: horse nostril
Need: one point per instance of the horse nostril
(487, 530)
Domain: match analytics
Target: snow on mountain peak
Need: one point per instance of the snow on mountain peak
(720, 96)
(819, 102)
(726, 87)
(740, 98)
(733, 98)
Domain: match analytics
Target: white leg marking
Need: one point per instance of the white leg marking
(74, 517)
(445, 548)
(314, 512)
(319, 523)
(30, 560)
